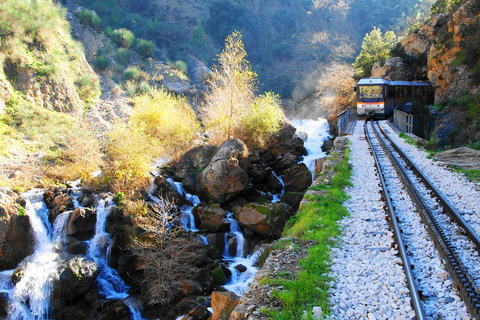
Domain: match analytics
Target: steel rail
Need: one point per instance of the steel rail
(393, 222)
(466, 287)
(450, 210)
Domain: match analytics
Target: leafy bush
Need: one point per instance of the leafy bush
(89, 87)
(168, 121)
(131, 88)
(129, 155)
(263, 119)
(123, 37)
(131, 73)
(122, 56)
(145, 47)
(90, 18)
(101, 62)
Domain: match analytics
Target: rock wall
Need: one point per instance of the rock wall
(442, 41)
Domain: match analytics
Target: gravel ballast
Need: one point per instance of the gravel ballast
(369, 282)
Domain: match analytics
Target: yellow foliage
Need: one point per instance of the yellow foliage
(262, 119)
(130, 154)
(165, 119)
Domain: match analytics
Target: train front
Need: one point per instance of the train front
(371, 97)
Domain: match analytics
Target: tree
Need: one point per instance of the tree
(166, 256)
(335, 87)
(232, 90)
(375, 47)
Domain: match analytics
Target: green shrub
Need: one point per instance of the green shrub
(144, 87)
(181, 65)
(262, 119)
(131, 73)
(89, 87)
(122, 56)
(131, 88)
(145, 47)
(101, 62)
(123, 37)
(88, 17)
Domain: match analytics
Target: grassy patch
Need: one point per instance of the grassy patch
(317, 221)
(472, 175)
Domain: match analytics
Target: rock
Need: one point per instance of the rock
(197, 70)
(226, 174)
(87, 200)
(393, 69)
(285, 162)
(192, 163)
(75, 277)
(199, 313)
(293, 199)
(241, 268)
(81, 224)
(267, 219)
(4, 305)
(258, 173)
(16, 239)
(113, 310)
(463, 157)
(223, 303)
(57, 201)
(212, 218)
(166, 188)
(241, 311)
(191, 288)
(297, 178)
(218, 276)
(217, 240)
(274, 182)
(74, 246)
(293, 145)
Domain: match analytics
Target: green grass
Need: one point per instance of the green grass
(318, 221)
(472, 175)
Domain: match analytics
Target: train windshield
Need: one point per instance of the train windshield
(370, 92)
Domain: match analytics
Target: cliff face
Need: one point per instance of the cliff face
(443, 41)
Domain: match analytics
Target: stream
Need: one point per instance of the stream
(30, 297)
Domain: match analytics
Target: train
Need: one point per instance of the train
(378, 98)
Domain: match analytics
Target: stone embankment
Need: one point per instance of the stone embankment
(284, 260)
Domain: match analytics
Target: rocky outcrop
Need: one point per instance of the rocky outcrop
(16, 239)
(75, 277)
(393, 69)
(223, 303)
(226, 175)
(212, 218)
(297, 178)
(463, 157)
(58, 201)
(440, 41)
(266, 219)
(191, 165)
(81, 224)
(166, 189)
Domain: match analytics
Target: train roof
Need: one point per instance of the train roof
(380, 81)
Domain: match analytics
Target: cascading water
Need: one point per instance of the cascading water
(278, 196)
(314, 133)
(109, 283)
(30, 298)
(242, 269)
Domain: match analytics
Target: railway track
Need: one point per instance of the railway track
(450, 233)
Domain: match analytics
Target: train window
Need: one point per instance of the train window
(390, 91)
(399, 92)
(409, 91)
(370, 92)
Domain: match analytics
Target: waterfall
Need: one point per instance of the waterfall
(30, 298)
(314, 133)
(109, 283)
(277, 197)
(240, 279)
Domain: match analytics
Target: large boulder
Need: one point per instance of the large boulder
(166, 188)
(226, 175)
(192, 164)
(81, 224)
(297, 178)
(393, 69)
(223, 303)
(212, 218)
(16, 239)
(58, 201)
(75, 277)
(266, 219)
(463, 157)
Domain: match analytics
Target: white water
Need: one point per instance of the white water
(30, 298)
(109, 283)
(278, 196)
(239, 281)
(314, 133)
